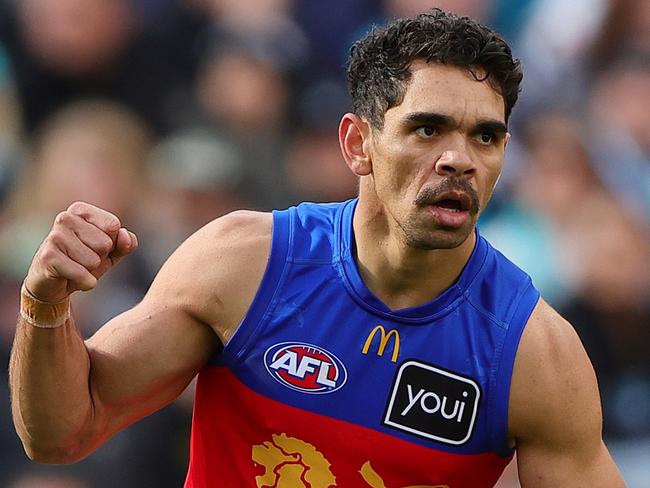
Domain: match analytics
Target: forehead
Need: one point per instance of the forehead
(448, 90)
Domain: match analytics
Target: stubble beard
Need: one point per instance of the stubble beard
(421, 234)
(439, 238)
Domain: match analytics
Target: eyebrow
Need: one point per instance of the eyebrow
(430, 118)
(493, 126)
(442, 120)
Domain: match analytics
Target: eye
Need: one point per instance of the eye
(426, 131)
(485, 138)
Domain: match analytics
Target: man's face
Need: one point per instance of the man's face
(438, 156)
(77, 36)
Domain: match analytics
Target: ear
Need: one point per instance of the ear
(353, 137)
(506, 140)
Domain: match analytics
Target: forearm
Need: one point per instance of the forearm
(54, 405)
(49, 378)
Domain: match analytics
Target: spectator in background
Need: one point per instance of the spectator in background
(619, 132)
(476, 9)
(314, 167)
(241, 89)
(244, 92)
(64, 50)
(196, 176)
(625, 30)
(554, 47)
(610, 309)
(256, 16)
(313, 163)
(331, 27)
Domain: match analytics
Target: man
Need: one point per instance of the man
(378, 342)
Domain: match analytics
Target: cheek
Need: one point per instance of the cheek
(491, 179)
(400, 170)
(391, 167)
(405, 178)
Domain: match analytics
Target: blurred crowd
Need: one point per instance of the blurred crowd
(171, 113)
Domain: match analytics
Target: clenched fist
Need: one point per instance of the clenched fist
(84, 243)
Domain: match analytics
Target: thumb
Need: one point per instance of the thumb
(125, 243)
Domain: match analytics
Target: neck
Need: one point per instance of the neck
(396, 273)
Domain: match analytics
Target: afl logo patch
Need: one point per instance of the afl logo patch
(305, 367)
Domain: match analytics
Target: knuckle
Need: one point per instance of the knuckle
(48, 253)
(113, 223)
(95, 261)
(78, 208)
(105, 245)
(62, 218)
(56, 238)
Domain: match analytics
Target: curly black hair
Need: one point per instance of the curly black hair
(379, 66)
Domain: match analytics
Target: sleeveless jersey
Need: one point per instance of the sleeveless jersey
(323, 385)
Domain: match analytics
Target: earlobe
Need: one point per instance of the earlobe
(353, 131)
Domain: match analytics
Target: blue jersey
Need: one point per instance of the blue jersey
(323, 385)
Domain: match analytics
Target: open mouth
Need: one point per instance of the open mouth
(449, 204)
(453, 201)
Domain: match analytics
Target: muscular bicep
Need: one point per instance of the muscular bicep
(555, 413)
(143, 359)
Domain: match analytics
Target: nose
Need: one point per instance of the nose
(455, 163)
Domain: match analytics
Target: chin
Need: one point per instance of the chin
(440, 238)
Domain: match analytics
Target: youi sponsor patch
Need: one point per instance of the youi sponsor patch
(432, 402)
(305, 367)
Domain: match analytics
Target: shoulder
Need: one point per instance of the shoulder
(554, 395)
(215, 273)
(234, 238)
(237, 232)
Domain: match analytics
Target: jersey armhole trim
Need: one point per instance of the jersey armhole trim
(274, 274)
(502, 374)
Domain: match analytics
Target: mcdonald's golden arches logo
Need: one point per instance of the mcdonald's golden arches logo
(384, 337)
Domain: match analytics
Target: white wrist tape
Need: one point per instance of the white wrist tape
(41, 314)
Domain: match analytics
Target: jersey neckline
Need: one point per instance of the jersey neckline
(441, 305)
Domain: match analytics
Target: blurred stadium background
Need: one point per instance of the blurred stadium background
(173, 112)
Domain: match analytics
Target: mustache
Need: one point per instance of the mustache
(429, 195)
